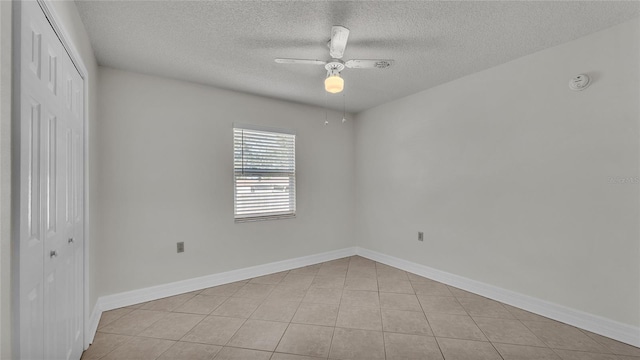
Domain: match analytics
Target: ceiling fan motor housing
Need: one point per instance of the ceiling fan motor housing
(335, 65)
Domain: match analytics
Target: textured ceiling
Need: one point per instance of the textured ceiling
(232, 44)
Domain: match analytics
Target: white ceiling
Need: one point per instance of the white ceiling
(232, 44)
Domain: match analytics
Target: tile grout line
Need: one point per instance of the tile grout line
(176, 341)
(484, 334)
(245, 320)
(492, 343)
(288, 324)
(526, 327)
(138, 333)
(338, 312)
(193, 327)
(428, 323)
(384, 346)
(114, 349)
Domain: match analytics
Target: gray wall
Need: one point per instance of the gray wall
(507, 172)
(166, 175)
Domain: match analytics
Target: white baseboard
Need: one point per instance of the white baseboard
(622, 332)
(93, 324)
(612, 329)
(119, 300)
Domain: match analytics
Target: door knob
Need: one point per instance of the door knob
(70, 241)
(53, 253)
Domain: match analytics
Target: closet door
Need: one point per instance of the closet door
(74, 191)
(51, 242)
(56, 286)
(31, 240)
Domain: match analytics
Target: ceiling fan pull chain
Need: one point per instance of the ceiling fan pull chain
(326, 122)
(344, 107)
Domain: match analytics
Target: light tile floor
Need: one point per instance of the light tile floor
(351, 308)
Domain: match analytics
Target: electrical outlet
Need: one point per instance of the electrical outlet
(181, 246)
(420, 236)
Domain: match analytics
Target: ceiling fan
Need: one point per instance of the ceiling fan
(337, 44)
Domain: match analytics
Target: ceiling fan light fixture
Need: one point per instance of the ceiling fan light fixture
(334, 83)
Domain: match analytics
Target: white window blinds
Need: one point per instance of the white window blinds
(264, 165)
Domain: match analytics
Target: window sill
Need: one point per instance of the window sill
(264, 218)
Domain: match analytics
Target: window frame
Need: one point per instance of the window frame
(258, 216)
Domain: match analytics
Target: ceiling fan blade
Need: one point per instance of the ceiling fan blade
(339, 37)
(368, 64)
(300, 61)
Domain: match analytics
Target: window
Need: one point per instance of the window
(264, 164)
